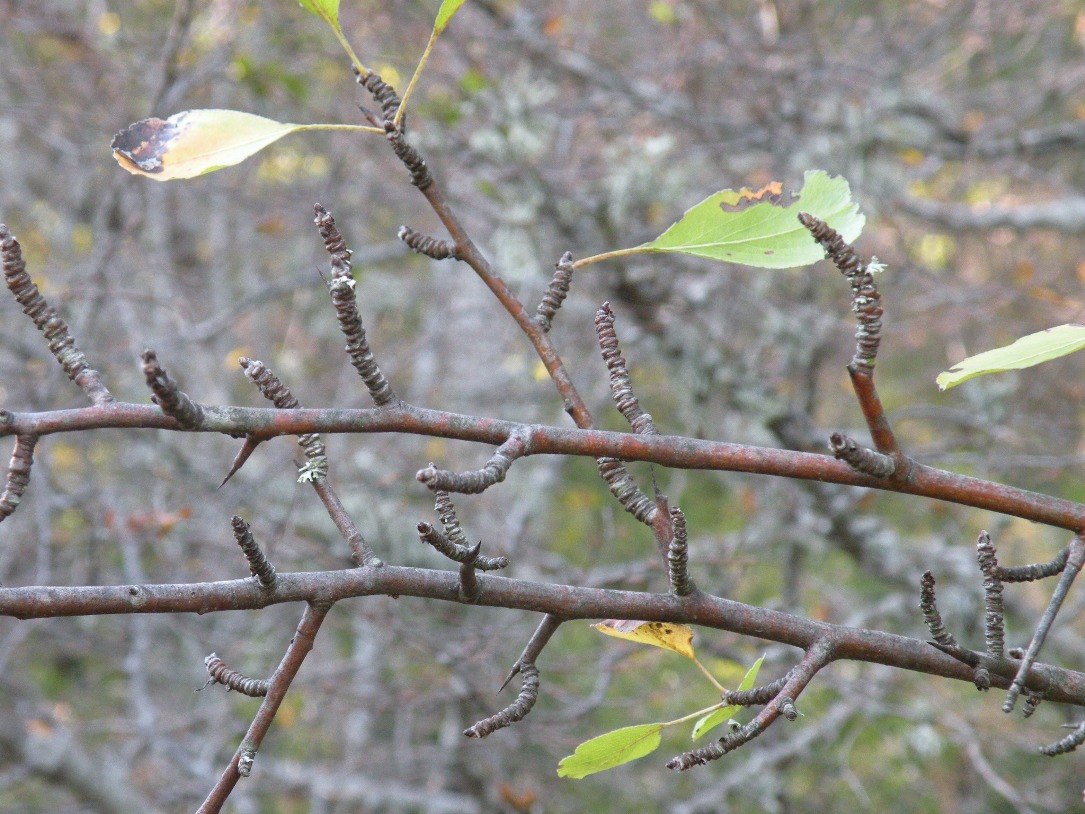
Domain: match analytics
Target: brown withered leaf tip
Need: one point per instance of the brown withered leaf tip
(144, 143)
(771, 193)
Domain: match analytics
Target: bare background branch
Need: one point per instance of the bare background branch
(552, 128)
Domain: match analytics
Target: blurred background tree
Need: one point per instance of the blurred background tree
(555, 126)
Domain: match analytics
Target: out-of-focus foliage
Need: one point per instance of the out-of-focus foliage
(554, 126)
(1026, 352)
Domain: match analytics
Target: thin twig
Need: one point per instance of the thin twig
(1074, 562)
(279, 683)
(47, 320)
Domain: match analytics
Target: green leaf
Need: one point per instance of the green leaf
(761, 228)
(751, 675)
(676, 638)
(326, 10)
(1025, 352)
(444, 14)
(714, 719)
(610, 750)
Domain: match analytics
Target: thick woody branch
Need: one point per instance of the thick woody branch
(566, 602)
(680, 452)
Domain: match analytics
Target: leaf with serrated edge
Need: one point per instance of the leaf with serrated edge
(714, 719)
(610, 750)
(737, 227)
(194, 142)
(1025, 352)
(676, 638)
(326, 10)
(445, 13)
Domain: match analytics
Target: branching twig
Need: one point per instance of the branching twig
(629, 495)
(259, 565)
(493, 471)
(678, 556)
(279, 683)
(548, 626)
(18, 477)
(755, 697)
(1067, 744)
(427, 244)
(994, 628)
(48, 321)
(621, 386)
(556, 292)
(1030, 573)
(931, 616)
(817, 656)
(231, 679)
(345, 300)
(459, 553)
(1074, 561)
(315, 470)
(864, 460)
(866, 303)
(168, 395)
(516, 711)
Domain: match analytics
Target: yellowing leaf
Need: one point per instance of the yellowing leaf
(677, 638)
(1025, 352)
(444, 14)
(610, 750)
(194, 142)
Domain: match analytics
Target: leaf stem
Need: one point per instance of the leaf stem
(596, 258)
(414, 79)
(346, 47)
(709, 675)
(362, 128)
(699, 714)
